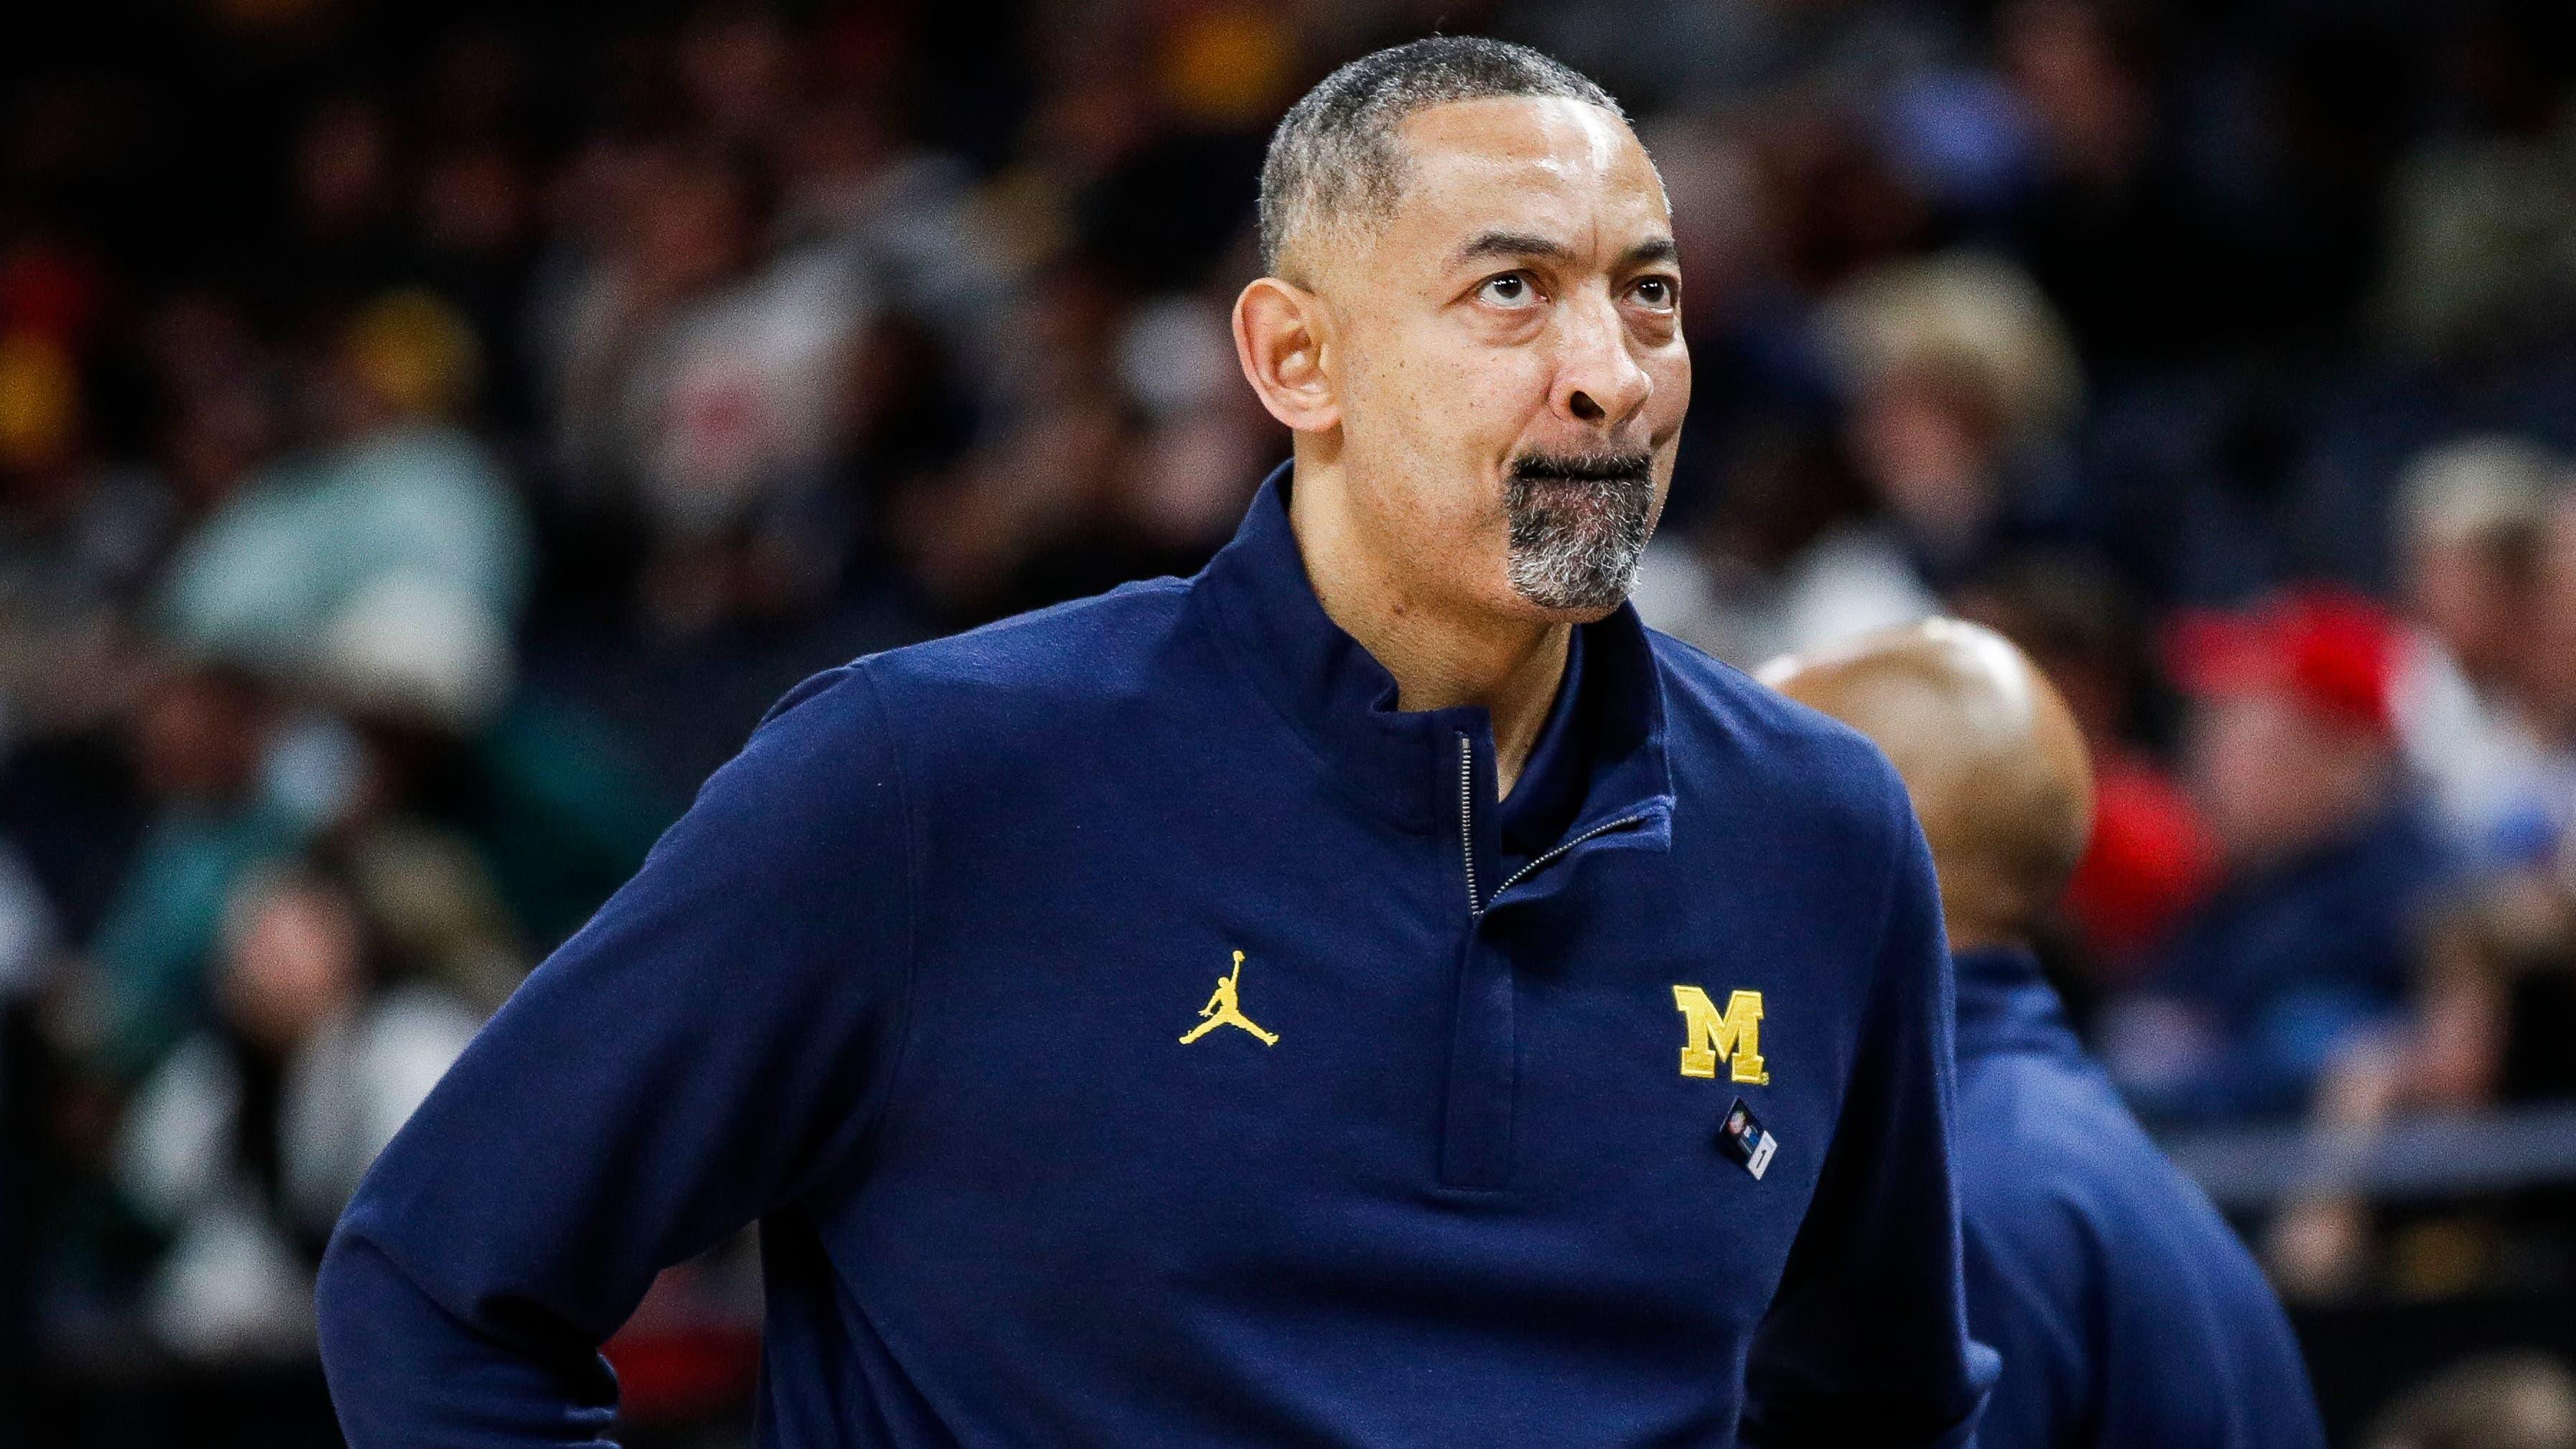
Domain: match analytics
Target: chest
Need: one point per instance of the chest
(1254, 1058)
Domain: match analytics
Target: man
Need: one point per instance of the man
(2328, 861)
(903, 986)
(2472, 521)
(2126, 1311)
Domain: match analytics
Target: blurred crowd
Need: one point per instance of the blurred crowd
(430, 434)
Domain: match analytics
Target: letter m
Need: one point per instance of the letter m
(1710, 1035)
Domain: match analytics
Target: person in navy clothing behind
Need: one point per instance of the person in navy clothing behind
(2128, 1314)
(1285, 1006)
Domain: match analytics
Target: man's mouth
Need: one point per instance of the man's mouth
(1583, 468)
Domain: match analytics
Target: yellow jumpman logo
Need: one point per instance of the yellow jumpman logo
(1221, 1011)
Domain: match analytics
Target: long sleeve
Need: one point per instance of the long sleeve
(1867, 1340)
(720, 1036)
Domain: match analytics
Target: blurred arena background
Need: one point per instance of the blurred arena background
(431, 433)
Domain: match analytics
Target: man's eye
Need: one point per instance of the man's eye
(1655, 292)
(1511, 289)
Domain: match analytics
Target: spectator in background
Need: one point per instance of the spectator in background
(2493, 1006)
(397, 527)
(696, 383)
(2470, 519)
(2492, 1401)
(2477, 264)
(80, 539)
(2494, 1000)
(247, 1141)
(475, 204)
(200, 741)
(397, 504)
(1964, 380)
(2328, 863)
(1961, 379)
(473, 825)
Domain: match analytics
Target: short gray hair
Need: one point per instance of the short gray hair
(1335, 153)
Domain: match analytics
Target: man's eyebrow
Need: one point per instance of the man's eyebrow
(1511, 244)
(1531, 246)
(1646, 253)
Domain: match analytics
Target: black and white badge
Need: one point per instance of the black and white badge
(1745, 1140)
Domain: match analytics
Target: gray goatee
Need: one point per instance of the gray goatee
(1579, 523)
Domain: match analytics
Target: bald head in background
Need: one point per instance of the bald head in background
(2127, 1313)
(1989, 752)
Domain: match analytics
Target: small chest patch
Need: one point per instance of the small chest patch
(1743, 1138)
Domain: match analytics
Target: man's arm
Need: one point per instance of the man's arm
(1867, 1341)
(723, 1032)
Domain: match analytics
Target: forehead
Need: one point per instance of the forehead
(1547, 166)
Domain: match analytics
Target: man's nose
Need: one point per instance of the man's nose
(1598, 381)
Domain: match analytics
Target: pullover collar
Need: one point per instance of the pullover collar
(2006, 1005)
(1404, 764)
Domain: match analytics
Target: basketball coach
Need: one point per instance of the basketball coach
(1371, 993)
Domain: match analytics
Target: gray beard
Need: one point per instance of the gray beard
(1575, 543)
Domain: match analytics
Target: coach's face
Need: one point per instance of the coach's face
(1503, 358)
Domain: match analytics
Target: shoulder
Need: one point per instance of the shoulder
(1104, 647)
(1730, 735)
(1017, 686)
(1079, 650)
(2056, 1176)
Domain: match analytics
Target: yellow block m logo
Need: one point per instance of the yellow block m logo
(1709, 1034)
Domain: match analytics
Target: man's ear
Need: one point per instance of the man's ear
(1282, 334)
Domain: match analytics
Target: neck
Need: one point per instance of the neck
(1443, 654)
(1965, 942)
(1970, 929)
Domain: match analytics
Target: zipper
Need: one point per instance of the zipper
(1545, 856)
(1467, 834)
(1477, 1106)
(1467, 820)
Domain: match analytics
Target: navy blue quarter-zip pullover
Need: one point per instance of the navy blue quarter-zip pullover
(2127, 1313)
(1124, 1028)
